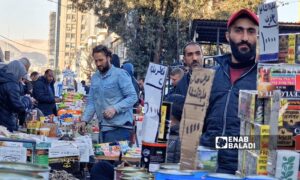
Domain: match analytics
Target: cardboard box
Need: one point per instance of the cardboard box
(285, 77)
(194, 111)
(287, 164)
(261, 139)
(273, 111)
(289, 125)
(255, 165)
(283, 48)
(250, 107)
(297, 58)
(242, 161)
(289, 48)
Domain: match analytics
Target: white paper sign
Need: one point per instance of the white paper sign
(154, 84)
(268, 32)
(156, 75)
(13, 154)
(63, 152)
(84, 151)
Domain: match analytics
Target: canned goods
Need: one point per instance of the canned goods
(197, 173)
(169, 166)
(173, 175)
(221, 176)
(136, 175)
(26, 168)
(120, 170)
(11, 174)
(259, 178)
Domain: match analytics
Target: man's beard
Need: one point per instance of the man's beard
(104, 69)
(240, 56)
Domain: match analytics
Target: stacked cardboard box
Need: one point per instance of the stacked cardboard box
(259, 117)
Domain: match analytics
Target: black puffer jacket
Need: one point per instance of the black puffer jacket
(173, 150)
(183, 84)
(11, 101)
(222, 114)
(43, 92)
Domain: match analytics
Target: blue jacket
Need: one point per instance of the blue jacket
(222, 114)
(130, 69)
(11, 101)
(114, 89)
(43, 92)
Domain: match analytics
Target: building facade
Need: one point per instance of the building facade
(68, 37)
(51, 40)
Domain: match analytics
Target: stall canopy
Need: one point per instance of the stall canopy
(206, 31)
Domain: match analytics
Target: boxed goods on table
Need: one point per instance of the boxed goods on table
(273, 77)
(287, 164)
(250, 107)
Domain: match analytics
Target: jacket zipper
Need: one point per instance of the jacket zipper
(228, 98)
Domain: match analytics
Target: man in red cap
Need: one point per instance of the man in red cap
(236, 71)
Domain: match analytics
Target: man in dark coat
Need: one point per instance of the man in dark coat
(130, 69)
(43, 92)
(173, 150)
(236, 71)
(11, 100)
(192, 57)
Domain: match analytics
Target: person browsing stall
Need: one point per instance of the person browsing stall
(192, 57)
(111, 97)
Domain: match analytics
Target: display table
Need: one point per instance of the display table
(116, 158)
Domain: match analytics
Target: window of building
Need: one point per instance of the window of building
(68, 27)
(69, 6)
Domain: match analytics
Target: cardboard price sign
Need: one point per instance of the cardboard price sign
(194, 112)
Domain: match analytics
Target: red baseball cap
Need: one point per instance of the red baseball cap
(241, 12)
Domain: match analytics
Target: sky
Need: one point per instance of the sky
(29, 19)
(26, 19)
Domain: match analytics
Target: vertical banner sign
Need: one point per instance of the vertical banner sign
(154, 84)
(268, 32)
(194, 111)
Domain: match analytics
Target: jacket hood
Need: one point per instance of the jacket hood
(115, 60)
(4, 77)
(129, 68)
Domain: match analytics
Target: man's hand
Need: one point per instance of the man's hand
(57, 100)
(34, 101)
(81, 127)
(109, 113)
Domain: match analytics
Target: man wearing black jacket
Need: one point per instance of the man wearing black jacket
(43, 92)
(236, 71)
(192, 57)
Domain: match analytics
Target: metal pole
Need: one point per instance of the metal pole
(177, 33)
(218, 41)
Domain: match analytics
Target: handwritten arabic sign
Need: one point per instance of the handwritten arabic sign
(156, 75)
(269, 32)
(13, 154)
(194, 111)
(154, 84)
